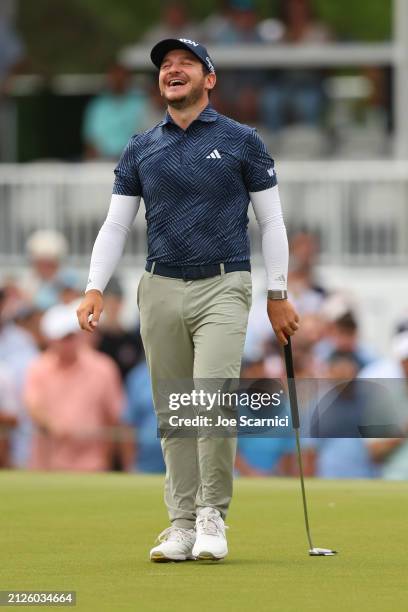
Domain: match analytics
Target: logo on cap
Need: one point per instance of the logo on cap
(189, 42)
(209, 64)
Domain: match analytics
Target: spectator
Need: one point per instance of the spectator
(13, 297)
(376, 105)
(301, 25)
(310, 333)
(123, 346)
(18, 349)
(46, 278)
(11, 59)
(114, 116)
(391, 454)
(296, 95)
(174, 23)
(239, 28)
(263, 455)
(8, 415)
(74, 396)
(390, 367)
(68, 286)
(140, 414)
(343, 407)
(240, 21)
(212, 27)
(342, 332)
(307, 294)
(343, 458)
(340, 413)
(27, 318)
(11, 51)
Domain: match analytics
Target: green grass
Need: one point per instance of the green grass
(92, 534)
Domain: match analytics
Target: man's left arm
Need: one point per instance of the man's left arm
(268, 211)
(261, 182)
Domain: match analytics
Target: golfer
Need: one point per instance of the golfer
(196, 171)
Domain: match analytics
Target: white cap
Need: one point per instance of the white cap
(336, 306)
(400, 346)
(47, 244)
(60, 320)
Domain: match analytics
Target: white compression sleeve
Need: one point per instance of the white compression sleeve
(110, 242)
(275, 250)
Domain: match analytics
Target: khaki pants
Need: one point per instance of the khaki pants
(195, 329)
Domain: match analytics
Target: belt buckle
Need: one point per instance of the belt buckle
(185, 273)
(193, 272)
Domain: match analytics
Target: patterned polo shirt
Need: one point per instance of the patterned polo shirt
(195, 184)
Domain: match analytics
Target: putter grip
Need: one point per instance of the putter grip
(290, 374)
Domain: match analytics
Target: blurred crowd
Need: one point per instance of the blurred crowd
(301, 112)
(75, 401)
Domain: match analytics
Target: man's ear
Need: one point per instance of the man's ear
(211, 80)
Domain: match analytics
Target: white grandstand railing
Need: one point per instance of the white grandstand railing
(281, 56)
(359, 210)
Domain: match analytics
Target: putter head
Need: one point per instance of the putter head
(322, 552)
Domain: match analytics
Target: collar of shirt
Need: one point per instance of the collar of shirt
(208, 115)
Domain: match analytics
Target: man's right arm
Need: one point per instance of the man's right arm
(110, 242)
(106, 253)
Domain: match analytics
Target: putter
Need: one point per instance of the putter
(290, 374)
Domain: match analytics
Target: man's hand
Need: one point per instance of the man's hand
(284, 319)
(92, 304)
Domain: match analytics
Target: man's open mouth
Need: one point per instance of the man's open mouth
(175, 83)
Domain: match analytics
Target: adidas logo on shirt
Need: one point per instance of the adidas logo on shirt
(214, 155)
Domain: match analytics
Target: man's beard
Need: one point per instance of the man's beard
(195, 94)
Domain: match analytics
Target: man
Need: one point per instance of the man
(123, 345)
(75, 398)
(391, 454)
(47, 276)
(8, 415)
(12, 54)
(18, 349)
(139, 414)
(113, 116)
(197, 171)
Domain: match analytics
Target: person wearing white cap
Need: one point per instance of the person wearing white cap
(46, 278)
(73, 394)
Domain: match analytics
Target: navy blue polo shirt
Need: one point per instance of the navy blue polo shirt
(195, 185)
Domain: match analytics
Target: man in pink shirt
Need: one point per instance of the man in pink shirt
(74, 396)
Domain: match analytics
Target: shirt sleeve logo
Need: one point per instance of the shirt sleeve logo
(271, 171)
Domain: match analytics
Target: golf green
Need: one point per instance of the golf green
(92, 534)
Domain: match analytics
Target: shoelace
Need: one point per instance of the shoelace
(209, 525)
(173, 534)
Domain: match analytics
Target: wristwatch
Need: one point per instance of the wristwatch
(277, 295)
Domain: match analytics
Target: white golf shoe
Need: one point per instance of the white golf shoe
(211, 543)
(175, 544)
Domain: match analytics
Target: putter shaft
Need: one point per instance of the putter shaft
(290, 373)
(302, 485)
